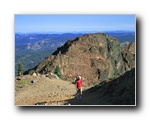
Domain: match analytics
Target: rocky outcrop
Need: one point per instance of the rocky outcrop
(130, 47)
(96, 57)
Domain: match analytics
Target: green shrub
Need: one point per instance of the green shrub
(21, 83)
(20, 69)
(58, 72)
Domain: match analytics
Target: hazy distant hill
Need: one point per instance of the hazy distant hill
(35, 42)
(123, 36)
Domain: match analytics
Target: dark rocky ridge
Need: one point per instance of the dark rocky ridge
(96, 57)
(119, 91)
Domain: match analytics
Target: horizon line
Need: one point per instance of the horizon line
(59, 32)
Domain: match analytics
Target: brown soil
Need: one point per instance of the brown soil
(43, 91)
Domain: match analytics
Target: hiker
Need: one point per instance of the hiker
(78, 84)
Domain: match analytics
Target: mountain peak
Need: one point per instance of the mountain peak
(84, 41)
(96, 57)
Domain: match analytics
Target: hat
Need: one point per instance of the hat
(79, 77)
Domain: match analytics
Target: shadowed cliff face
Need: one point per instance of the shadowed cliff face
(96, 57)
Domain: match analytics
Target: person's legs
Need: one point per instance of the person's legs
(80, 93)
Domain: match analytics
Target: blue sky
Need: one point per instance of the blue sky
(73, 23)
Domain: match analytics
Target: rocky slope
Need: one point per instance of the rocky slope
(96, 57)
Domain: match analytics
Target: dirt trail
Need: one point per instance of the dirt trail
(43, 91)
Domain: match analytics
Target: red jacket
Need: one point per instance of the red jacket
(79, 83)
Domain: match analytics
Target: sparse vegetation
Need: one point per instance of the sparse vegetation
(58, 72)
(20, 69)
(21, 83)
